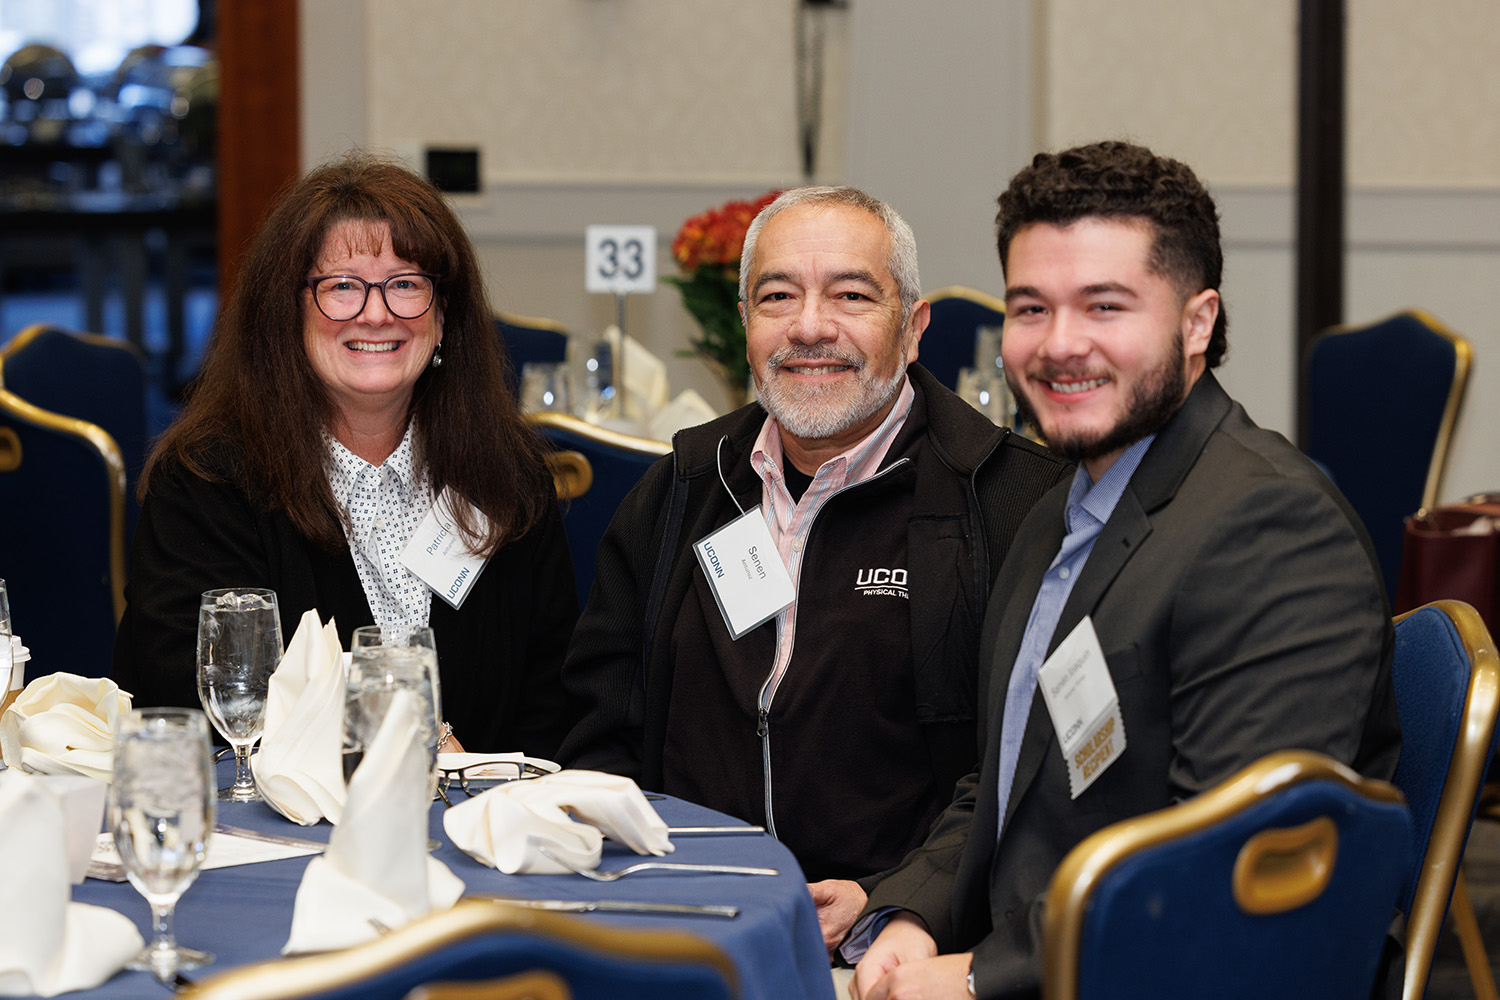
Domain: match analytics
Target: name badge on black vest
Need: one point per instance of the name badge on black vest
(749, 581)
(438, 555)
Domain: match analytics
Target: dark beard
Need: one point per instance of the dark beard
(1156, 399)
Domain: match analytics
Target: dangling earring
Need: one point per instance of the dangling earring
(437, 355)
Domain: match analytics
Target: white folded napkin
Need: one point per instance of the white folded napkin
(48, 944)
(507, 826)
(300, 766)
(64, 724)
(376, 872)
(687, 409)
(645, 377)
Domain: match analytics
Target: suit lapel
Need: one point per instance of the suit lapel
(1154, 483)
(1116, 543)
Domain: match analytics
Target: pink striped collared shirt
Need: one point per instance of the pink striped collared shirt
(790, 522)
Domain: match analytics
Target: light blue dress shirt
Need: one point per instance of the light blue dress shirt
(1089, 506)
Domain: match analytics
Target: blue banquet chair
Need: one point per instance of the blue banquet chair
(523, 986)
(94, 378)
(481, 940)
(62, 494)
(1447, 679)
(957, 314)
(1382, 402)
(593, 468)
(1278, 882)
(528, 339)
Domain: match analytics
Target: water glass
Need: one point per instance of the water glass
(987, 349)
(382, 662)
(593, 365)
(4, 610)
(546, 385)
(161, 812)
(239, 648)
(987, 392)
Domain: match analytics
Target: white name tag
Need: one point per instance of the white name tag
(438, 555)
(1085, 709)
(749, 581)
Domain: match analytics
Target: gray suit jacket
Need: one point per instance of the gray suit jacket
(1239, 607)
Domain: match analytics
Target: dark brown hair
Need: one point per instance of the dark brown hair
(1120, 180)
(259, 394)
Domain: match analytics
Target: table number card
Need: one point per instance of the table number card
(620, 259)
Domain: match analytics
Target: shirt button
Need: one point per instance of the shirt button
(1063, 573)
(796, 545)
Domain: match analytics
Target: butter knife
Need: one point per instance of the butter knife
(618, 906)
(269, 838)
(679, 830)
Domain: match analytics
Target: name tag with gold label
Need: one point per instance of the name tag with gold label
(1085, 709)
(438, 555)
(749, 580)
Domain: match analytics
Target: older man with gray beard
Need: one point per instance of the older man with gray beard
(884, 502)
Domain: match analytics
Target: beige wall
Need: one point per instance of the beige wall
(651, 110)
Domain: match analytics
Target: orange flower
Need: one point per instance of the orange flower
(716, 238)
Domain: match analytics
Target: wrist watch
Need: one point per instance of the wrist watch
(970, 982)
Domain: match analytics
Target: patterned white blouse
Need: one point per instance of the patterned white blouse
(385, 503)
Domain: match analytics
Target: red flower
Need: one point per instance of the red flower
(715, 238)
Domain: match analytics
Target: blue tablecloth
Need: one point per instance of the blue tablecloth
(244, 914)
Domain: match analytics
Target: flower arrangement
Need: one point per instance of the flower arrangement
(707, 250)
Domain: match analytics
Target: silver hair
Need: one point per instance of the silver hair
(901, 262)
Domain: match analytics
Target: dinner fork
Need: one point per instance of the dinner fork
(673, 866)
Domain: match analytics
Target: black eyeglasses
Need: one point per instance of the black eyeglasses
(341, 297)
(483, 777)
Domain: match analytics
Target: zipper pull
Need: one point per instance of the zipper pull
(760, 730)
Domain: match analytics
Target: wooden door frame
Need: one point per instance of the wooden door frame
(259, 115)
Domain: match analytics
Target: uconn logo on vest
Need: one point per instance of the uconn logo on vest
(881, 582)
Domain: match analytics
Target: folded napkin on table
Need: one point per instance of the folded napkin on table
(376, 872)
(507, 826)
(63, 724)
(687, 409)
(48, 944)
(645, 375)
(300, 766)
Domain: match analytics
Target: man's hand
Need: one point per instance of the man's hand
(903, 941)
(941, 978)
(839, 902)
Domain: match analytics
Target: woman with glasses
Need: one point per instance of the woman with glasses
(353, 382)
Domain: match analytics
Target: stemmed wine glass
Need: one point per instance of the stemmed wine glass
(239, 648)
(161, 811)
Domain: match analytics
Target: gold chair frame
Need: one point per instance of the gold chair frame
(965, 292)
(531, 322)
(93, 436)
(1265, 888)
(1463, 360)
(572, 475)
(307, 975)
(1442, 873)
(30, 333)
